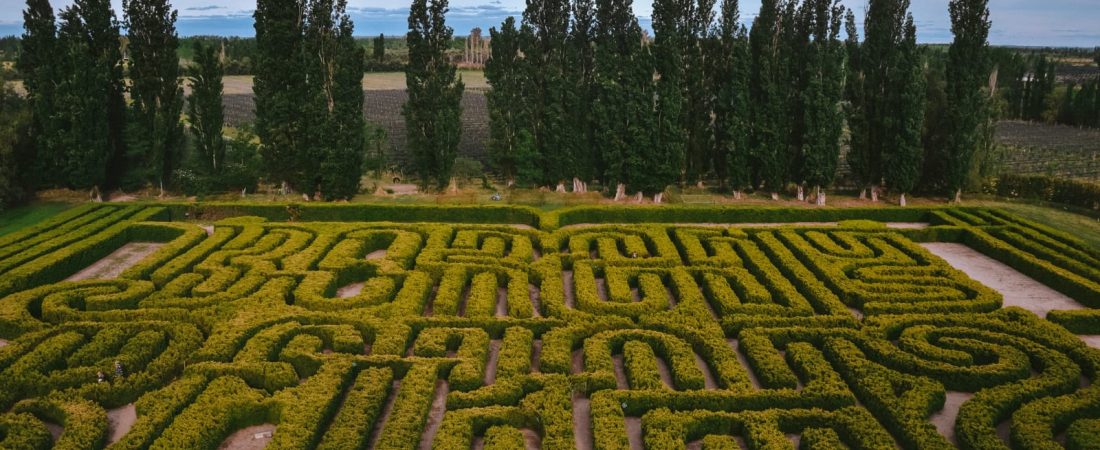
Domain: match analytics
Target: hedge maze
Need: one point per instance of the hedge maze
(348, 334)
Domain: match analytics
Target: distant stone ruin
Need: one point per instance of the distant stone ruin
(477, 49)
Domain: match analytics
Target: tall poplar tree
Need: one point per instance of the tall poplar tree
(204, 107)
(672, 39)
(623, 109)
(823, 73)
(506, 75)
(903, 153)
(580, 75)
(546, 25)
(731, 104)
(89, 102)
(767, 97)
(38, 62)
(334, 69)
(968, 69)
(154, 132)
(279, 87)
(699, 95)
(379, 49)
(434, 108)
(886, 135)
(863, 160)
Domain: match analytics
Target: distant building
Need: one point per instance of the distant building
(477, 49)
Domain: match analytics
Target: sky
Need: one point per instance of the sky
(1060, 23)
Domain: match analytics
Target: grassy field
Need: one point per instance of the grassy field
(25, 216)
(373, 81)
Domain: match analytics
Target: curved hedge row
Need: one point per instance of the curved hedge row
(348, 334)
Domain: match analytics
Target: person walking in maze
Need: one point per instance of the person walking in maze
(118, 369)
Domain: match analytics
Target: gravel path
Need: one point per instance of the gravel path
(1018, 289)
(117, 262)
(246, 438)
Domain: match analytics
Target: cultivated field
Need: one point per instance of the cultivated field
(1058, 150)
(376, 326)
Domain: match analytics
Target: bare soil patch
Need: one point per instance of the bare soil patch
(117, 262)
(744, 363)
(119, 422)
(377, 254)
(350, 290)
(944, 420)
(249, 438)
(582, 421)
(55, 430)
(1016, 288)
(435, 415)
(1090, 340)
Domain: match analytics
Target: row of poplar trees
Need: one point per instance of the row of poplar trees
(308, 94)
(308, 88)
(85, 133)
(579, 92)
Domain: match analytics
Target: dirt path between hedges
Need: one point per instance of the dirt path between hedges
(120, 421)
(117, 262)
(246, 438)
(1016, 288)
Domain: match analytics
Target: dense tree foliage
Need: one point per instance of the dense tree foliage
(155, 135)
(204, 108)
(623, 106)
(433, 111)
(38, 62)
(89, 105)
(543, 38)
(823, 82)
(768, 96)
(505, 72)
(309, 96)
(580, 74)
(17, 152)
(334, 64)
(731, 104)
(888, 108)
(280, 88)
(968, 69)
(378, 50)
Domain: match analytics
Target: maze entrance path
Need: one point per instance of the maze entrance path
(117, 262)
(1016, 288)
(830, 330)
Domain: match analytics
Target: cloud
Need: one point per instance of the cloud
(203, 8)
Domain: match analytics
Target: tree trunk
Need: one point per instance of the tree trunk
(775, 196)
(658, 197)
(454, 185)
(958, 195)
(305, 197)
(95, 195)
(620, 191)
(863, 194)
(874, 194)
(639, 197)
(901, 201)
(820, 196)
(736, 195)
(560, 188)
(801, 194)
(700, 185)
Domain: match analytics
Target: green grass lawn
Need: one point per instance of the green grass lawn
(24, 216)
(1083, 227)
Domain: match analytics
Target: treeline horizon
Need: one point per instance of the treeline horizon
(579, 94)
